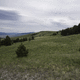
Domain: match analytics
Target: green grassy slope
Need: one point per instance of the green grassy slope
(57, 57)
(37, 34)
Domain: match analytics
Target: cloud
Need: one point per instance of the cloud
(37, 15)
(8, 15)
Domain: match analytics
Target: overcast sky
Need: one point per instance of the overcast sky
(38, 15)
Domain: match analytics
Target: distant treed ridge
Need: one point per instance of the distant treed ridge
(8, 41)
(70, 31)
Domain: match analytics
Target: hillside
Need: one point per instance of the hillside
(50, 58)
(39, 34)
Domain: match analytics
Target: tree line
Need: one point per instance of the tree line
(73, 30)
(8, 41)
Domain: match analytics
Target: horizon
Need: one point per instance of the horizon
(16, 32)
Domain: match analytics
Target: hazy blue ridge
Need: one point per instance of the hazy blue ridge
(3, 34)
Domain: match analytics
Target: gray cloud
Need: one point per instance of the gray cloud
(34, 26)
(37, 15)
(8, 15)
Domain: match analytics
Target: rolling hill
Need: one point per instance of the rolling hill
(50, 57)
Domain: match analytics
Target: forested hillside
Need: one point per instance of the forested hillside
(70, 31)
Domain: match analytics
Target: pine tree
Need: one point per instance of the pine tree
(21, 51)
(32, 37)
(7, 41)
(0, 41)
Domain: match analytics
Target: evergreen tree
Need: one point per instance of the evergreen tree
(21, 51)
(32, 37)
(0, 41)
(7, 41)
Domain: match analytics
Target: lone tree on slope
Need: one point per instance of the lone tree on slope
(21, 51)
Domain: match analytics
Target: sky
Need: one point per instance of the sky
(38, 15)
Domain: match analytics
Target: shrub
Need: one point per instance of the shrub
(32, 37)
(79, 49)
(54, 33)
(21, 51)
(24, 39)
(17, 40)
(29, 39)
(2, 42)
(21, 40)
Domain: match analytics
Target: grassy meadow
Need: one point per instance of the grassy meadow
(49, 58)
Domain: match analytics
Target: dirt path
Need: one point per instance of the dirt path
(36, 74)
(24, 75)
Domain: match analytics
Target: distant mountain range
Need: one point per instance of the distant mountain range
(3, 34)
